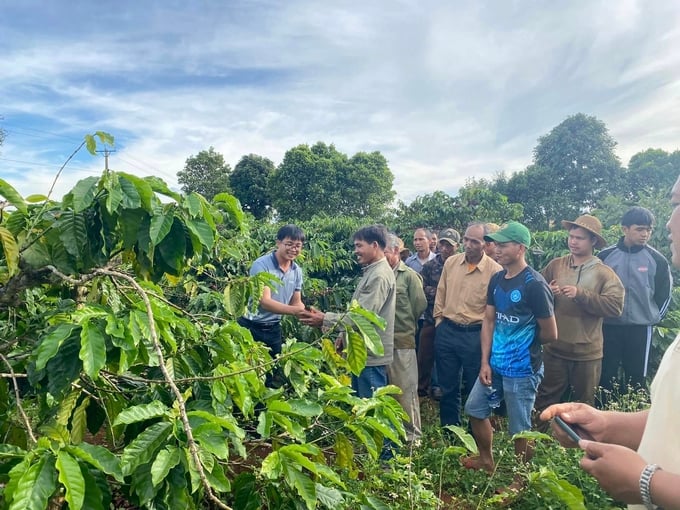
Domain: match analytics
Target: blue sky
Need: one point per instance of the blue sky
(446, 90)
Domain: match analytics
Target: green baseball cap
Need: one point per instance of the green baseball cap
(512, 231)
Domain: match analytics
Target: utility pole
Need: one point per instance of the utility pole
(106, 158)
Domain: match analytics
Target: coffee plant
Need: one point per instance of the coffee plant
(125, 375)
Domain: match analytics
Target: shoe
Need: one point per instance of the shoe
(436, 393)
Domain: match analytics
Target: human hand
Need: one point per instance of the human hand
(556, 290)
(616, 468)
(587, 421)
(569, 291)
(485, 375)
(311, 317)
(339, 344)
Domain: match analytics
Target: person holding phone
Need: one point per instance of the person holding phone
(635, 456)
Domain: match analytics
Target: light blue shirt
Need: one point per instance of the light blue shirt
(414, 262)
(291, 282)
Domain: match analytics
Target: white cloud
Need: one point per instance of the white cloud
(445, 90)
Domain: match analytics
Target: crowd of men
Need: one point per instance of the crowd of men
(479, 327)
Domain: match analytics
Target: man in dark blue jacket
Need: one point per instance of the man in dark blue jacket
(646, 276)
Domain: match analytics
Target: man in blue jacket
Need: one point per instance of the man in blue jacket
(646, 276)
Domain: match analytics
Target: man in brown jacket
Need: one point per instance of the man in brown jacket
(586, 291)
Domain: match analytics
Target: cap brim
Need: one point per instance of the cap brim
(496, 238)
(450, 241)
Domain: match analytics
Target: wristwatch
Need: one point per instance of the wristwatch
(645, 480)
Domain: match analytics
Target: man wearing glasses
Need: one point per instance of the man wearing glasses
(285, 298)
(646, 276)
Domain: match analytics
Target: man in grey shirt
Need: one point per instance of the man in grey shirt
(376, 291)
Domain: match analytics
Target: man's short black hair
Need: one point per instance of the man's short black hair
(428, 232)
(292, 232)
(637, 216)
(372, 233)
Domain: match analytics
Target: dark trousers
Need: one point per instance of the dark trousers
(458, 351)
(425, 359)
(268, 334)
(625, 346)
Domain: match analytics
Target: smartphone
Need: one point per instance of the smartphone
(567, 429)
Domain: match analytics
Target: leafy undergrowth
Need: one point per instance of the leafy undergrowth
(431, 475)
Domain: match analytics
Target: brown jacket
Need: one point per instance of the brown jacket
(579, 321)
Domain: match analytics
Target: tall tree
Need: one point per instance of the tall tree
(249, 183)
(574, 167)
(476, 201)
(205, 173)
(434, 210)
(651, 171)
(321, 180)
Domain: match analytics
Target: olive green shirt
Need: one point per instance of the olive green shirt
(376, 291)
(411, 302)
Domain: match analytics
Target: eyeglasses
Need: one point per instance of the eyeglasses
(292, 246)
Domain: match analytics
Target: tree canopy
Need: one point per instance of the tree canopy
(321, 180)
(205, 173)
(476, 201)
(574, 170)
(574, 166)
(651, 171)
(249, 183)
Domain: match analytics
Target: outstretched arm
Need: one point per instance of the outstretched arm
(271, 305)
(624, 429)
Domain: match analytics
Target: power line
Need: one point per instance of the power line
(41, 133)
(35, 163)
(152, 170)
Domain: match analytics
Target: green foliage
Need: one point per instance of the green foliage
(652, 171)
(117, 312)
(476, 201)
(121, 383)
(205, 173)
(553, 479)
(91, 141)
(574, 168)
(249, 184)
(320, 180)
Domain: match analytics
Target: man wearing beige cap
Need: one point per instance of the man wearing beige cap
(586, 291)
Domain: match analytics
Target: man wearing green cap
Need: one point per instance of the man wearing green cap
(519, 317)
